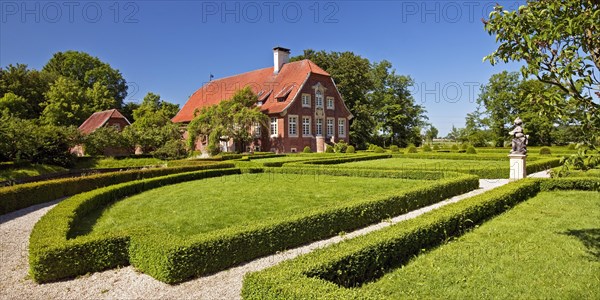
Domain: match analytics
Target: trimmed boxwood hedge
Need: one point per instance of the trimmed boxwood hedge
(24, 195)
(55, 253)
(325, 274)
(483, 171)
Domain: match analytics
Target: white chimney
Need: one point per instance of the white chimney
(280, 56)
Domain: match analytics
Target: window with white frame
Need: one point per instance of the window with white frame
(329, 102)
(318, 98)
(273, 126)
(305, 100)
(330, 127)
(256, 126)
(293, 125)
(305, 126)
(341, 127)
(319, 126)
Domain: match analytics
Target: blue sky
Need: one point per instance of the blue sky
(171, 47)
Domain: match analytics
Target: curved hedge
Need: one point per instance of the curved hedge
(325, 274)
(55, 253)
(24, 195)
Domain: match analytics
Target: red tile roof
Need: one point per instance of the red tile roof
(98, 119)
(275, 90)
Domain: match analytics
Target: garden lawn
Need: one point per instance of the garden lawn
(428, 164)
(210, 204)
(547, 247)
(29, 171)
(109, 162)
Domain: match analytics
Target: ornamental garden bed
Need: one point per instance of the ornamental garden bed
(538, 250)
(205, 224)
(484, 168)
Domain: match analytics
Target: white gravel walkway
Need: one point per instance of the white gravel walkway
(127, 283)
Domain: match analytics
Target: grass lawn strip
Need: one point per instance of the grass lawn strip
(546, 247)
(201, 206)
(321, 274)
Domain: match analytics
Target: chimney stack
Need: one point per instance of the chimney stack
(280, 56)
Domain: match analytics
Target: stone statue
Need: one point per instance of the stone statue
(519, 142)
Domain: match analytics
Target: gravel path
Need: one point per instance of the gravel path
(127, 283)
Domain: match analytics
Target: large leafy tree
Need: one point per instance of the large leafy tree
(397, 116)
(231, 118)
(66, 104)
(87, 70)
(559, 41)
(29, 85)
(153, 128)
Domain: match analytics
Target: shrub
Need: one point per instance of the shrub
(454, 147)
(329, 149)
(411, 149)
(464, 146)
(545, 151)
(394, 149)
(471, 150)
(379, 150)
(426, 148)
(104, 138)
(24, 195)
(172, 149)
(307, 150)
(336, 160)
(350, 149)
(341, 147)
(436, 147)
(571, 146)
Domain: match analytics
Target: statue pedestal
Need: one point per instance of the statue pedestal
(517, 166)
(320, 144)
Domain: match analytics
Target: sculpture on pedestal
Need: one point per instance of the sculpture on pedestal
(519, 142)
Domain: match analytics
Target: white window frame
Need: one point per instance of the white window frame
(342, 127)
(306, 126)
(273, 128)
(306, 100)
(330, 100)
(319, 98)
(293, 125)
(257, 129)
(331, 132)
(319, 127)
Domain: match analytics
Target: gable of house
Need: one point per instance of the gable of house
(111, 117)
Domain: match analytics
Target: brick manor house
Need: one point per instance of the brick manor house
(302, 101)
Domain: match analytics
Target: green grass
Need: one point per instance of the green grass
(427, 164)
(205, 205)
(29, 171)
(109, 162)
(547, 247)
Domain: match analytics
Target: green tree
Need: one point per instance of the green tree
(559, 41)
(102, 138)
(231, 118)
(13, 105)
(397, 114)
(154, 111)
(127, 110)
(87, 70)
(431, 133)
(65, 104)
(28, 84)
